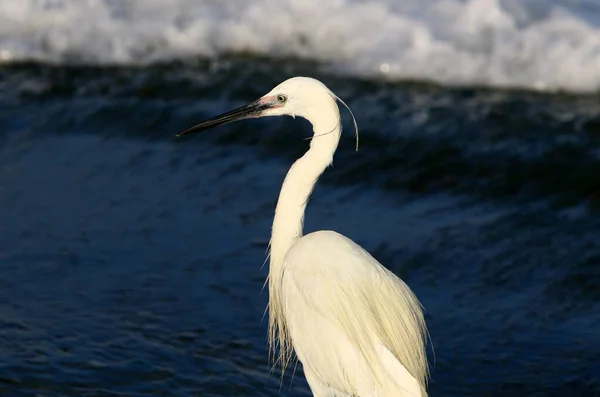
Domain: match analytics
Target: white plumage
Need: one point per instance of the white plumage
(337, 302)
(358, 329)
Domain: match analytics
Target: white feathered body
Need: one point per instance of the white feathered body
(348, 321)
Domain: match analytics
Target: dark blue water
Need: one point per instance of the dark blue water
(131, 262)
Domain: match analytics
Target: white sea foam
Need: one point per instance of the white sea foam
(539, 44)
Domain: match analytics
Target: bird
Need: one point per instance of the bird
(357, 329)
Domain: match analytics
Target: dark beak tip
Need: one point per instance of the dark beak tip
(184, 132)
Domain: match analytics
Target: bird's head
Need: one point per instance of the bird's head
(298, 96)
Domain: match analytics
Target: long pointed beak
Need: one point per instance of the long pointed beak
(251, 110)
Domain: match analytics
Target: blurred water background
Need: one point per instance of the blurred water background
(131, 261)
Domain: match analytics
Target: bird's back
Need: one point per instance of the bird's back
(355, 326)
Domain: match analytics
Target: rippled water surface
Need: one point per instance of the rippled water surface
(131, 261)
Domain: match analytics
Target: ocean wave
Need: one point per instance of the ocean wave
(542, 45)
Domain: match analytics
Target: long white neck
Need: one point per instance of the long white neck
(296, 189)
(289, 213)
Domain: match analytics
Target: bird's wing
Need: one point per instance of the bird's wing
(351, 294)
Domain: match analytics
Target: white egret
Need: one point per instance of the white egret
(357, 329)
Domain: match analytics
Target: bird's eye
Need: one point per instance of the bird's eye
(281, 98)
